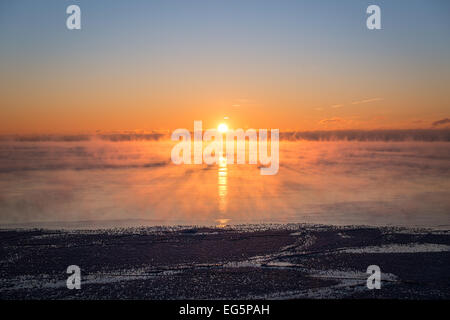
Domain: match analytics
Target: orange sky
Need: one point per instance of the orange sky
(129, 102)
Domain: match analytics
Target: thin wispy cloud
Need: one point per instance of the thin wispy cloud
(244, 102)
(339, 105)
(441, 122)
(367, 100)
(331, 120)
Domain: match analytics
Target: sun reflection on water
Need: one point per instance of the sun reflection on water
(222, 177)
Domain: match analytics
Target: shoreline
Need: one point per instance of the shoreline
(265, 261)
(136, 224)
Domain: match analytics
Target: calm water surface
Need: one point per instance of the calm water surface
(96, 183)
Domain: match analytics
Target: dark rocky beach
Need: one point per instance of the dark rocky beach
(241, 262)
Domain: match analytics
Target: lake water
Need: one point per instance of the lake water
(98, 183)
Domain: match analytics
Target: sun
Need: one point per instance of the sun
(222, 128)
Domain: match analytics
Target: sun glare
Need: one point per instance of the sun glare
(222, 128)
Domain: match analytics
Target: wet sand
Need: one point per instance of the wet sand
(242, 262)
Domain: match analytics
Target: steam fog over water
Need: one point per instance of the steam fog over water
(90, 183)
